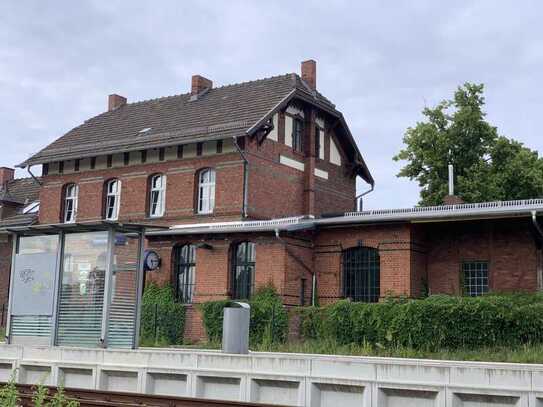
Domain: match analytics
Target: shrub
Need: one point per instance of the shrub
(437, 322)
(162, 319)
(269, 319)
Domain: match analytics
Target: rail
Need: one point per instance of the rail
(99, 398)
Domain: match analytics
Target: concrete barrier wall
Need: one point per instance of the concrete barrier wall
(287, 379)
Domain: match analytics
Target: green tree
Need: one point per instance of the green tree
(487, 166)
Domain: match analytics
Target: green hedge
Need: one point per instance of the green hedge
(269, 320)
(162, 319)
(438, 322)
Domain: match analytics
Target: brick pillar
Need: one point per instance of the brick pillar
(395, 269)
(310, 160)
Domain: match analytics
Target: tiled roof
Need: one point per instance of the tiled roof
(20, 191)
(19, 220)
(227, 110)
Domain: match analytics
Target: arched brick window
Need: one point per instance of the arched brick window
(242, 278)
(69, 204)
(206, 191)
(361, 274)
(184, 272)
(157, 195)
(112, 202)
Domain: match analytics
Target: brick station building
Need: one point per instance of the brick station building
(255, 183)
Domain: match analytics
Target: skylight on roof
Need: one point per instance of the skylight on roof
(145, 130)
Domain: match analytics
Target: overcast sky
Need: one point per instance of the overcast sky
(380, 62)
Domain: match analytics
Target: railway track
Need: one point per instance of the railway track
(98, 398)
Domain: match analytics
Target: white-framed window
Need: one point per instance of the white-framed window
(157, 195)
(70, 203)
(113, 199)
(206, 191)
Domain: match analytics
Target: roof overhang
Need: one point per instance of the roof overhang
(46, 229)
(260, 226)
(360, 165)
(443, 213)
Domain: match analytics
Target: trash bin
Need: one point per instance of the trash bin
(235, 328)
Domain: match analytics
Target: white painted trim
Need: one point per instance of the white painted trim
(321, 173)
(289, 162)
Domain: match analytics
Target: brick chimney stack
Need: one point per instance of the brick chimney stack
(309, 73)
(115, 101)
(6, 175)
(199, 84)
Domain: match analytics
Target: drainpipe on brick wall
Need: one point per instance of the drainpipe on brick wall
(358, 206)
(245, 176)
(539, 230)
(33, 176)
(313, 275)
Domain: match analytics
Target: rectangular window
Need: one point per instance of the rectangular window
(126, 158)
(93, 163)
(76, 165)
(143, 156)
(297, 135)
(45, 169)
(61, 167)
(318, 142)
(199, 148)
(180, 151)
(475, 275)
(219, 146)
(109, 161)
(161, 154)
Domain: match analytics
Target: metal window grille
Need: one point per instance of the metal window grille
(184, 272)
(361, 274)
(243, 270)
(475, 275)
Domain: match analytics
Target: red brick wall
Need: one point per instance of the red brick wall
(393, 242)
(5, 267)
(507, 245)
(276, 190)
(180, 191)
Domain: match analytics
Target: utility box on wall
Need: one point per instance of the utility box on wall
(235, 328)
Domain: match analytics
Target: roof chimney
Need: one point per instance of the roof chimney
(115, 101)
(452, 199)
(6, 175)
(199, 84)
(309, 73)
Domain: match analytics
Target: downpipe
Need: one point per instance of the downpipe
(358, 205)
(245, 176)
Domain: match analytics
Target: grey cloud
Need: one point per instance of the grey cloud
(380, 62)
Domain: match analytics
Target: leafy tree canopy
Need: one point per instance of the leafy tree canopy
(487, 166)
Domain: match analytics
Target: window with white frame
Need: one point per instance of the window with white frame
(206, 191)
(157, 195)
(113, 199)
(70, 203)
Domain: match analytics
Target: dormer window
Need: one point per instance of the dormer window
(70, 203)
(297, 135)
(113, 199)
(157, 195)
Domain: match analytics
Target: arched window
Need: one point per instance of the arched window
(157, 195)
(184, 271)
(243, 270)
(70, 202)
(361, 274)
(206, 191)
(113, 199)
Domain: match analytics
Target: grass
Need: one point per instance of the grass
(522, 354)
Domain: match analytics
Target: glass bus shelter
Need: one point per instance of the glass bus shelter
(76, 285)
